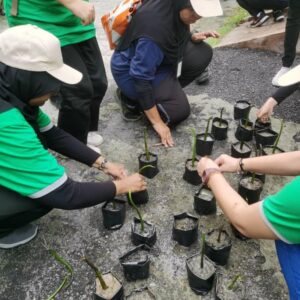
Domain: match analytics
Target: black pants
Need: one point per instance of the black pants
(255, 6)
(292, 29)
(17, 211)
(80, 103)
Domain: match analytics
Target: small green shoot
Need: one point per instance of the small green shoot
(220, 233)
(137, 210)
(193, 147)
(97, 272)
(234, 281)
(242, 145)
(247, 118)
(253, 177)
(221, 113)
(145, 167)
(146, 145)
(278, 137)
(206, 129)
(202, 250)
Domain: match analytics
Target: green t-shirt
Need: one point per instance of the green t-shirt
(281, 212)
(52, 16)
(26, 167)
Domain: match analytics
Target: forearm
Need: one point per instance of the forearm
(287, 164)
(283, 92)
(153, 115)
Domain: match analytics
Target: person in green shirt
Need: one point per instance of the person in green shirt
(277, 217)
(71, 21)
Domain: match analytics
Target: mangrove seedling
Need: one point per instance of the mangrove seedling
(206, 129)
(220, 233)
(247, 118)
(234, 281)
(137, 210)
(221, 113)
(202, 250)
(193, 147)
(278, 137)
(97, 272)
(146, 145)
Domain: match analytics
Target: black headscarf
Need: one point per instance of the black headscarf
(19, 86)
(160, 21)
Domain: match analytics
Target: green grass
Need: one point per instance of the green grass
(229, 24)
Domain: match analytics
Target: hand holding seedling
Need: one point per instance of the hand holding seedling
(227, 163)
(117, 171)
(134, 183)
(205, 163)
(265, 112)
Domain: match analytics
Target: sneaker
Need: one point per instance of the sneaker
(128, 113)
(259, 20)
(278, 15)
(203, 77)
(96, 149)
(94, 138)
(19, 236)
(282, 71)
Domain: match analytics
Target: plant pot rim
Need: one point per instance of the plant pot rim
(217, 119)
(144, 247)
(226, 233)
(243, 120)
(184, 215)
(245, 144)
(205, 257)
(202, 186)
(242, 101)
(257, 179)
(267, 129)
(150, 153)
(202, 134)
(118, 200)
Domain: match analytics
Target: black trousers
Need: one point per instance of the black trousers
(79, 104)
(292, 29)
(255, 6)
(17, 211)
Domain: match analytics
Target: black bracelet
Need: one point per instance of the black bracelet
(241, 164)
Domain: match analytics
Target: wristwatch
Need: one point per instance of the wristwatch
(206, 174)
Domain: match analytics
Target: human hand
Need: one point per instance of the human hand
(264, 113)
(227, 163)
(117, 171)
(165, 134)
(133, 183)
(83, 10)
(201, 36)
(205, 163)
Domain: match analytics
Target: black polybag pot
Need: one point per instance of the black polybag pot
(139, 198)
(199, 285)
(243, 133)
(204, 148)
(270, 148)
(139, 238)
(203, 205)
(218, 253)
(114, 218)
(260, 176)
(236, 152)
(241, 112)
(118, 296)
(148, 172)
(139, 269)
(185, 237)
(252, 195)
(191, 175)
(141, 292)
(258, 125)
(219, 133)
(265, 137)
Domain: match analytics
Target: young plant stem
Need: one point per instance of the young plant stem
(278, 137)
(221, 113)
(253, 177)
(207, 128)
(220, 233)
(202, 250)
(241, 145)
(146, 145)
(233, 282)
(247, 118)
(97, 272)
(137, 210)
(193, 147)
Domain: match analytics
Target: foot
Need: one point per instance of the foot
(203, 77)
(19, 236)
(96, 149)
(278, 16)
(259, 20)
(128, 113)
(94, 138)
(281, 72)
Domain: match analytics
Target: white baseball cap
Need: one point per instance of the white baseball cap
(207, 8)
(290, 77)
(31, 48)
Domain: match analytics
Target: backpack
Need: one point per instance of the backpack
(116, 21)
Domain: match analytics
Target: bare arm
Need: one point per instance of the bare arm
(287, 164)
(80, 8)
(246, 218)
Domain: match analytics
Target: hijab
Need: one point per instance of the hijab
(18, 87)
(160, 21)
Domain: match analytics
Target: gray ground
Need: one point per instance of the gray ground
(30, 272)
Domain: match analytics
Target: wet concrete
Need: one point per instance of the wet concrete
(30, 272)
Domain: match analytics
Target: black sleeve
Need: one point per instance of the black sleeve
(64, 143)
(283, 92)
(144, 90)
(75, 195)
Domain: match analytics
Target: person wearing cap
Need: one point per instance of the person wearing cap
(32, 182)
(288, 84)
(277, 217)
(157, 57)
(71, 21)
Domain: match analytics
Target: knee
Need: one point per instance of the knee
(181, 114)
